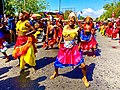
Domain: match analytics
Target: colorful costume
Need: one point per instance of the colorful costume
(59, 23)
(3, 43)
(60, 29)
(25, 46)
(116, 30)
(38, 32)
(87, 37)
(51, 38)
(102, 30)
(68, 54)
(110, 29)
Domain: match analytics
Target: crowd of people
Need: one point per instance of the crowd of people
(110, 28)
(72, 37)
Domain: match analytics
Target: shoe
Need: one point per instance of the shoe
(7, 59)
(17, 65)
(54, 75)
(35, 68)
(86, 83)
(46, 48)
(22, 71)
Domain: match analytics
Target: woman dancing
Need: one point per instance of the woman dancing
(69, 54)
(87, 36)
(51, 35)
(25, 48)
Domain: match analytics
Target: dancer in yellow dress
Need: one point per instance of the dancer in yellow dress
(25, 48)
(38, 30)
(69, 53)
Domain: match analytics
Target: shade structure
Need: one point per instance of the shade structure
(35, 15)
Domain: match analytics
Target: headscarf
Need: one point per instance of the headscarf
(88, 19)
(25, 13)
(72, 15)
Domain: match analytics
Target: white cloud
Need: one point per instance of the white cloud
(91, 12)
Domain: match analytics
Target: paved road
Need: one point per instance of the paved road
(103, 72)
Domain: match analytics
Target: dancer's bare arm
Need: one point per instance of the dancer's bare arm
(30, 28)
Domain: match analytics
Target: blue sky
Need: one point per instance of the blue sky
(93, 8)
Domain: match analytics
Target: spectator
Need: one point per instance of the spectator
(12, 26)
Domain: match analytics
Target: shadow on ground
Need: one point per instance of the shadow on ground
(90, 70)
(44, 61)
(39, 46)
(22, 83)
(77, 72)
(3, 71)
(11, 57)
(97, 53)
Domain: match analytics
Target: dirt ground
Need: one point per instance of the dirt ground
(103, 72)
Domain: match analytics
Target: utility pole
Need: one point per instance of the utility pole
(59, 5)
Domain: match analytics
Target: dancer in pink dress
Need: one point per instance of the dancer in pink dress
(69, 53)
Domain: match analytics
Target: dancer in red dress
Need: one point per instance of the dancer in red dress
(51, 36)
(116, 29)
(87, 36)
(25, 48)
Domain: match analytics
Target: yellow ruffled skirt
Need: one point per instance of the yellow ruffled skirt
(28, 58)
(26, 52)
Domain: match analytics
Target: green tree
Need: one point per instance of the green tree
(107, 6)
(66, 13)
(34, 6)
(117, 10)
(8, 7)
(109, 9)
(81, 17)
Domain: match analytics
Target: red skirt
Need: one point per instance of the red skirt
(114, 34)
(22, 45)
(51, 40)
(60, 32)
(109, 32)
(89, 45)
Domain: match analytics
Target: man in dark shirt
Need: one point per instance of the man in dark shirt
(12, 26)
